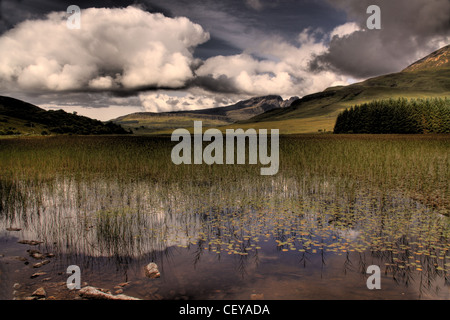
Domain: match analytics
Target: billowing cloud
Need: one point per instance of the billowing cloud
(115, 48)
(282, 68)
(410, 29)
(222, 52)
(344, 30)
(162, 101)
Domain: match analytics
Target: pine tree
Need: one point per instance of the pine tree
(396, 116)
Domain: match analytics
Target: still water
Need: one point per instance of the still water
(288, 239)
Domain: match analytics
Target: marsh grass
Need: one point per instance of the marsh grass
(335, 194)
(413, 164)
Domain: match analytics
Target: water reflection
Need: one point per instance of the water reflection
(290, 225)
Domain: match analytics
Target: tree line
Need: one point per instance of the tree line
(431, 115)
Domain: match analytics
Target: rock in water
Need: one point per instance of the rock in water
(256, 296)
(151, 271)
(40, 264)
(13, 229)
(37, 274)
(39, 293)
(95, 293)
(30, 242)
(37, 255)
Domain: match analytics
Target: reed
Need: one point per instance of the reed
(122, 197)
(418, 166)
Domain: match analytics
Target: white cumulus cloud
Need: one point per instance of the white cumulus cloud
(280, 68)
(162, 101)
(119, 47)
(345, 30)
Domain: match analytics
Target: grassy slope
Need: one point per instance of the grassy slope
(20, 117)
(19, 125)
(319, 111)
(147, 125)
(10, 123)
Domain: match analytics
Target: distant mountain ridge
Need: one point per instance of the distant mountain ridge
(143, 122)
(246, 109)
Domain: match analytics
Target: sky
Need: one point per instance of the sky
(171, 55)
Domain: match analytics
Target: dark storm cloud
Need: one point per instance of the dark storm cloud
(221, 84)
(13, 12)
(237, 25)
(410, 29)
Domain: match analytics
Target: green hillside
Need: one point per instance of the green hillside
(439, 59)
(19, 117)
(328, 104)
(427, 78)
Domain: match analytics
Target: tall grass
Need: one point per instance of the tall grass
(417, 166)
(123, 197)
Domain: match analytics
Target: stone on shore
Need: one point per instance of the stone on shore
(13, 229)
(37, 274)
(40, 264)
(95, 293)
(30, 242)
(39, 293)
(257, 296)
(151, 271)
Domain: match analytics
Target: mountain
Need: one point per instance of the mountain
(428, 77)
(19, 117)
(439, 59)
(244, 110)
(147, 122)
